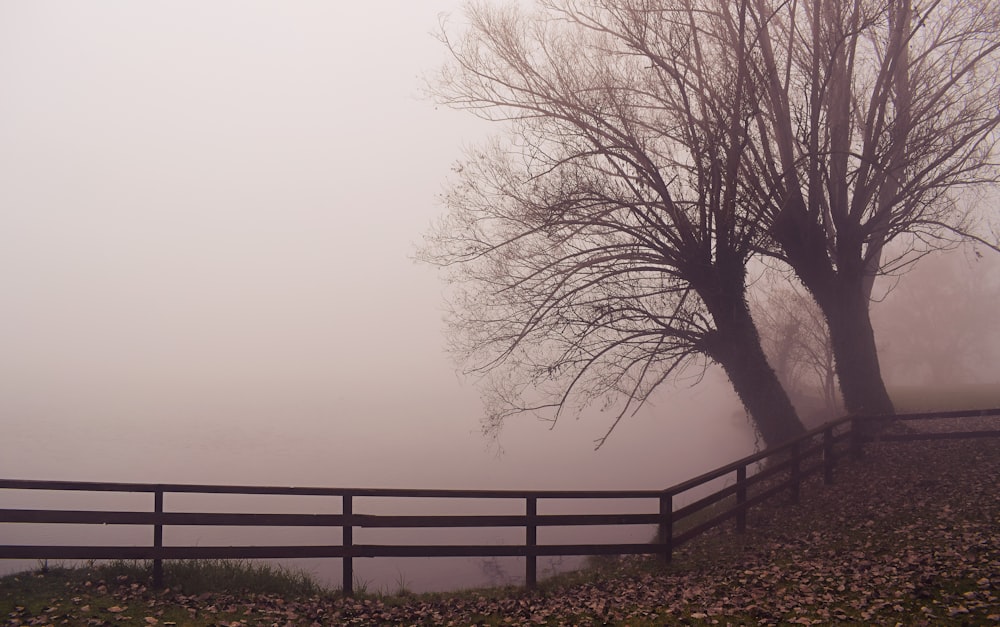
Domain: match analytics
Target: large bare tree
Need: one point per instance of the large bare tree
(870, 119)
(600, 245)
(874, 117)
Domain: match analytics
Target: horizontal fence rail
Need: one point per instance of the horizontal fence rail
(747, 482)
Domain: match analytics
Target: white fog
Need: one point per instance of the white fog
(208, 213)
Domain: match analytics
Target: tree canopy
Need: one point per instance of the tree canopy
(874, 117)
(600, 246)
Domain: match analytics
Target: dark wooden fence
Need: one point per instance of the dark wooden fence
(745, 483)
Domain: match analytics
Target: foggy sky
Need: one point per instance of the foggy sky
(207, 217)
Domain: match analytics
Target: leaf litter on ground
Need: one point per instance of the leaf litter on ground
(909, 534)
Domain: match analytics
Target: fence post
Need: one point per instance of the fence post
(158, 538)
(531, 541)
(796, 476)
(828, 456)
(741, 498)
(667, 526)
(348, 542)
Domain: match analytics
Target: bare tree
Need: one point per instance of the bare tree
(874, 117)
(797, 343)
(870, 119)
(599, 248)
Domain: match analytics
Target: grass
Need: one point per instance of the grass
(106, 593)
(201, 576)
(117, 592)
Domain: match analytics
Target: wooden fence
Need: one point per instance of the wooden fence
(746, 482)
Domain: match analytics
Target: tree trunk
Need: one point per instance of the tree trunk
(735, 345)
(841, 297)
(856, 355)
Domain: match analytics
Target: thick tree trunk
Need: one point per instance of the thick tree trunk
(853, 341)
(841, 296)
(735, 346)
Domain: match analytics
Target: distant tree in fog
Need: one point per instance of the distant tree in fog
(599, 247)
(940, 326)
(797, 343)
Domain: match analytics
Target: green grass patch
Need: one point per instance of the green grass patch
(186, 576)
(199, 576)
(119, 592)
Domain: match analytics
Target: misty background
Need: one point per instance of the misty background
(208, 213)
